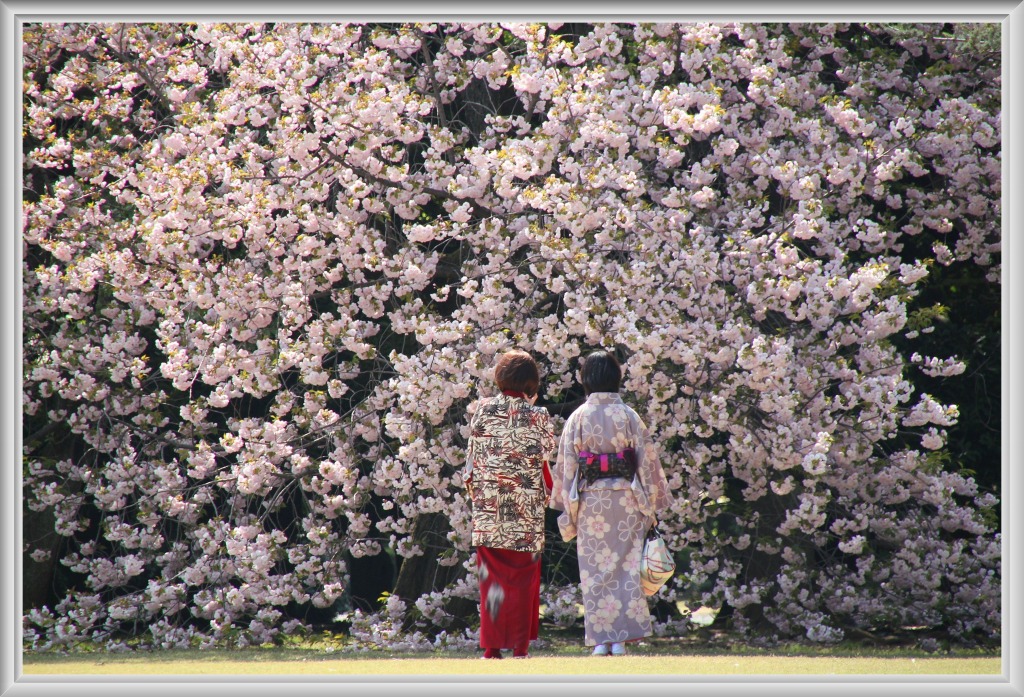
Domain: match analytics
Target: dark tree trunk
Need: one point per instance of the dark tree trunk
(771, 510)
(723, 618)
(38, 576)
(44, 582)
(423, 574)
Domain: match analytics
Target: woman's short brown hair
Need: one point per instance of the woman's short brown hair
(516, 371)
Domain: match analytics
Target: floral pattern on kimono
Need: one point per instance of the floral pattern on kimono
(509, 442)
(609, 518)
(606, 424)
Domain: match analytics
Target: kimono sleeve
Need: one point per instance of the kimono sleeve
(467, 472)
(564, 470)
(650, 471)
(548, 443)
(547, 448)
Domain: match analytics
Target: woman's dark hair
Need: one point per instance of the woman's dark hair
(516, 371)
(600, 372)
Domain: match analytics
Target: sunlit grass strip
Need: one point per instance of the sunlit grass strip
(681, 666)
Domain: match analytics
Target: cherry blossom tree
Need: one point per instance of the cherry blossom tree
(267, 268)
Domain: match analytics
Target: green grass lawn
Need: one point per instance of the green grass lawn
(560, 652)
(246, 663)
(557, 655)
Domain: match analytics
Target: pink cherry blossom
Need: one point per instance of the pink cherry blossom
(266, 270)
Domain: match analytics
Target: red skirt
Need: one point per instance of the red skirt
(509, 598)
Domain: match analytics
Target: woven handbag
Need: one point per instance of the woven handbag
(656, 562)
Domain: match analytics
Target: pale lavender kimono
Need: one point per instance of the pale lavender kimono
(610, 517)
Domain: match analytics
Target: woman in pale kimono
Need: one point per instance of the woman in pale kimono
(608, 515)
(510, 444)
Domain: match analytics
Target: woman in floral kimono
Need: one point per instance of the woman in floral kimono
(510, 443)
(609, 486)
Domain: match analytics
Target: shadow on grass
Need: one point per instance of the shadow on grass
(553, 642)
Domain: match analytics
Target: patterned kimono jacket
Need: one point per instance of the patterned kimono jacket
(509, 442)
